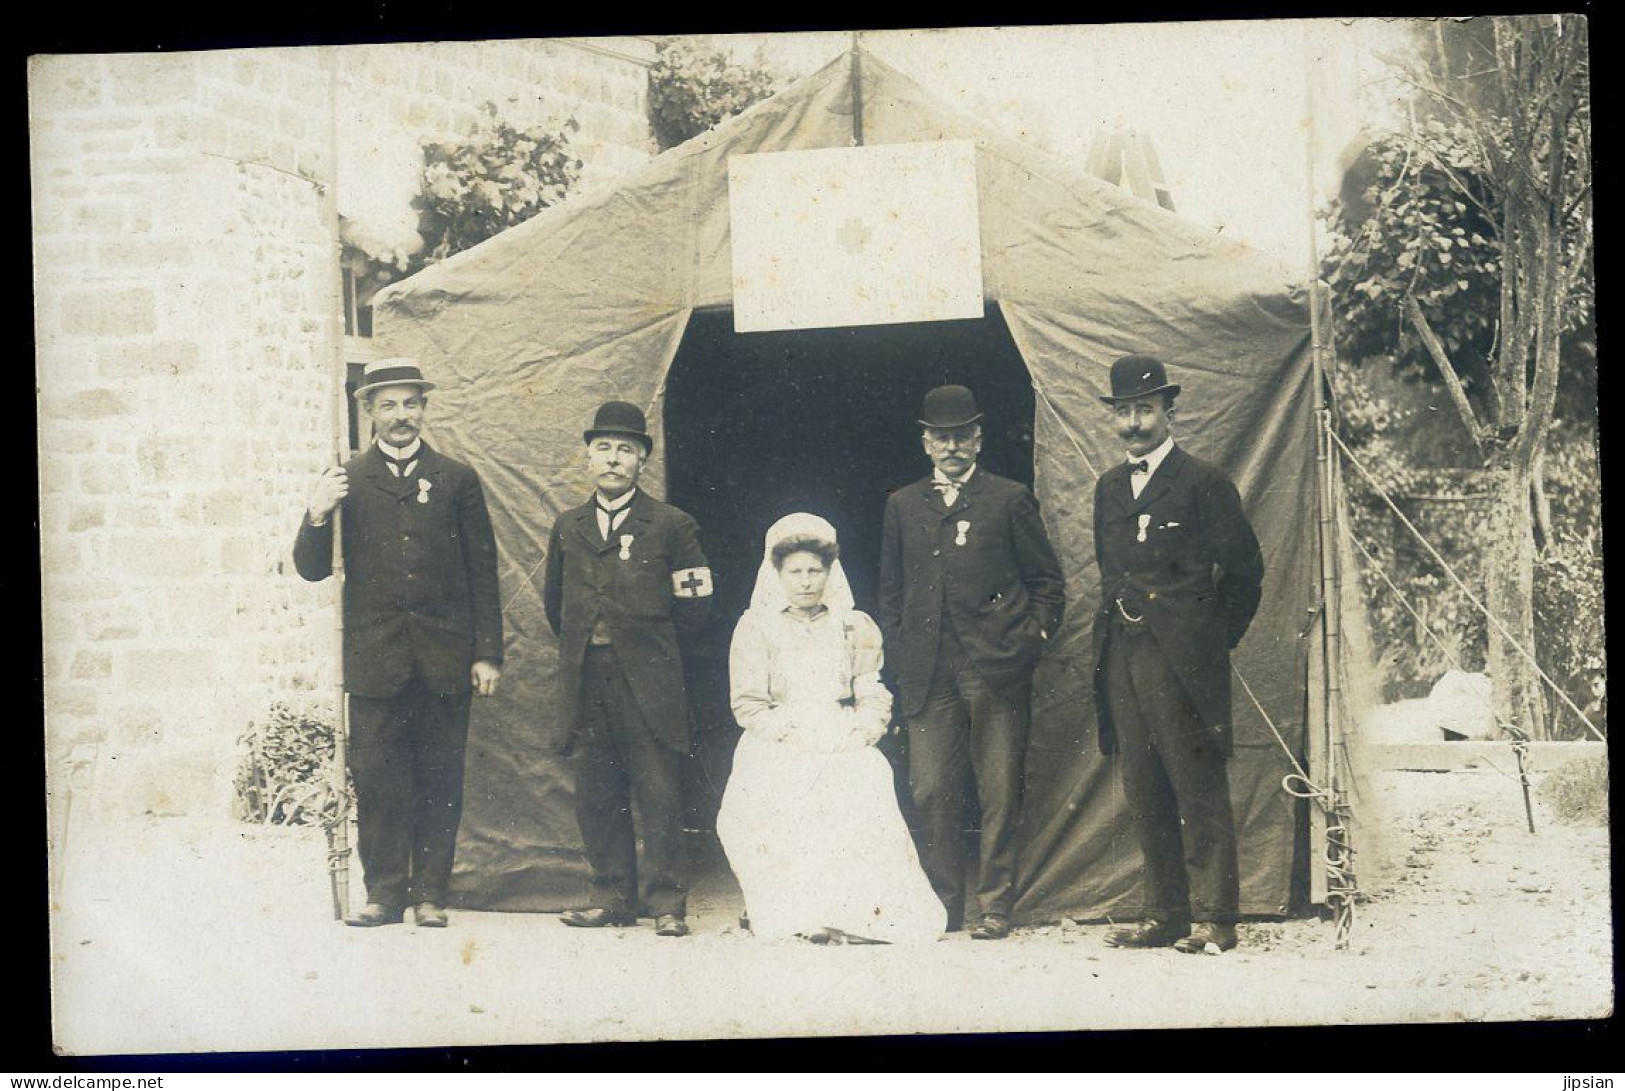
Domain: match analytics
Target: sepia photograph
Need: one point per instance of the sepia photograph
(952, 531)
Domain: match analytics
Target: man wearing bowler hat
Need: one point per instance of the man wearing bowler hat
(970, 592)
(1180, 576)
(422, 632)
(626, 585)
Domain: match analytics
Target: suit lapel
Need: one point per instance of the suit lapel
(637, 520)
(967, 494)
(432, 469)
(377, 474)
(926, 495)
(1161, 481)
(586, 523)
(1115, 490)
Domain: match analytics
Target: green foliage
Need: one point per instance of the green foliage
(1577, 792)
(1414, 232)
(282, 779)
(693, 87)
(472, 189)
(1379, 422)
(1569, 582)
(500, 176)
(1426, 225)
(1391, 429)
(1438, 214)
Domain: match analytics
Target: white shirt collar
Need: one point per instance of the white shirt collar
(616, 504)
(789, 611)
(1154, 457)
(961, 481)
(399, 453)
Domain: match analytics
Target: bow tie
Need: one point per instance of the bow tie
(1141, 467)
(400, 467)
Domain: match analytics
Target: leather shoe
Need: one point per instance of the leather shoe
(1147, 934)
(374, 915)
(991, 926)
(597, 918)
(670, 924)
(1208, 938)
(428, 915)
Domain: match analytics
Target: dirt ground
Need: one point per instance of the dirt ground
(176, 936)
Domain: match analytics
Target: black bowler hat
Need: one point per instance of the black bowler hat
(949, 407)
(395, 371)
(620, 419)
(1136, 376)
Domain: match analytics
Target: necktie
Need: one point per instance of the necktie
(1143, 466)
(608, 520)
(949, 491)
(401, 467)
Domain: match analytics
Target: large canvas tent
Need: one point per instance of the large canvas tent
(625, 294)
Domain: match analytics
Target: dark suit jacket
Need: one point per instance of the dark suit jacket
(1194, 524)
(586, 577)
(420, 587)
(1001, 589)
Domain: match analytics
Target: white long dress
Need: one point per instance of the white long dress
(809, 819)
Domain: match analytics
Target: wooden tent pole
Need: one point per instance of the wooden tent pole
(338, 821)
(1339, 848)
(857, 91)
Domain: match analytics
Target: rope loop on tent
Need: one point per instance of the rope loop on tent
(1459, 582)
(1342, 892)
(335, 814)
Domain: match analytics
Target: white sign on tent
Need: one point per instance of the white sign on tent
(855, 236)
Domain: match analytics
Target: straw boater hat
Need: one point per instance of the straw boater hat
(949, 407)
(395, 371)
(1136, 376)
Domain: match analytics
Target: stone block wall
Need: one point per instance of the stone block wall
(435, 90)
(187, 314)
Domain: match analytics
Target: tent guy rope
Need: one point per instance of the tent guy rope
(1342, 892)
(1460, 583)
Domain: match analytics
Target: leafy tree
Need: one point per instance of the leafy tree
(500, 176)
(1467, 261)
(693, 87)
(471, 189)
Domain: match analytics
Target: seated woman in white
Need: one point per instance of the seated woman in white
(809, 819)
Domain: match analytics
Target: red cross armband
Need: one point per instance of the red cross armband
(691, 583)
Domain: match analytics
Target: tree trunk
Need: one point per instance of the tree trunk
(1509, 577)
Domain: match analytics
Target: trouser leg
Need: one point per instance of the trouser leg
(380, 760)
(657, 786)
(441, 742)
(939, 780)
(1147, 789)
(999, 707)
(1201, 785)
(603, 795)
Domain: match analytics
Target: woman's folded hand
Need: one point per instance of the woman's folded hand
(867, 731)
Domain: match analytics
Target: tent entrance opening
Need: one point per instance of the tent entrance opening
(760, 425)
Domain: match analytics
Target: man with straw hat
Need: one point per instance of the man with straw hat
(422, 634)
(1180, 576)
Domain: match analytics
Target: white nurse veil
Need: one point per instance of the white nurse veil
(769, 593)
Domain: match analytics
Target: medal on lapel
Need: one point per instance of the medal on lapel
(963, 525)
(423, 489)
(626, 547)
(1145, 521)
